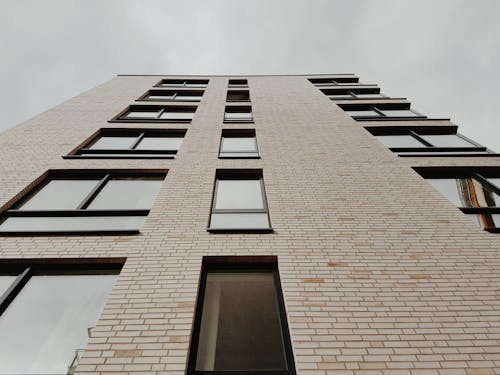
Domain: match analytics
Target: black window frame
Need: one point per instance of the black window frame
(104, 176)
(238, 133)
(417, 131)
(236, 109)
(194, 93)
(235, 92)
(335, 81)
(354, 92)
(241, 264)
(24, 269)
(379, 108)
(160, 109)
(131, 152)
(481, 174)
(239, 174)
(183, 82)
(237, 83)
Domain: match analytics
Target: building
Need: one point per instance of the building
(268, 224)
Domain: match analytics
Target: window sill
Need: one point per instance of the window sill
(238, 121)
(239, 157)
(118, 157)
(240, 230)
(414, 118)
(159, 121)
(71, 233)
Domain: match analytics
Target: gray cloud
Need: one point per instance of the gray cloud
(442, 55)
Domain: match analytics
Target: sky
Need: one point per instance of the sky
(443, 55)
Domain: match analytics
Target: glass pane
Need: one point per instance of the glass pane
(494, 181)
(60, 195)
(368, 96)
(496, 220)
(180, 98)
(71, 224)
(449, 187)
(238, 144)
(5, 283)
(238, 115)
(399, 113)
(113, 143)
(49, 320)
(160, 97)
(341, 96)
(394, 141)
(239, 221)
(447, 140)
(127, 194)
(237, 194)
(483, 196)
(368, 113)
(177, 115)
(240, 325)
(159, 143)
(142, 114)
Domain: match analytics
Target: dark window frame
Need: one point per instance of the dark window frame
(353, 94)
(183, 82)
(131, 152)
(234, 92)
(104, 176)
(241, 264)
(238, 133)
(416, 133)
(195, 93)
(338, 81)
(121, 116)
(239, 174)
(478, 173)
(379, 108)
(237, 83)
(236, 109)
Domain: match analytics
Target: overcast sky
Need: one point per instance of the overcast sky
(443, 55)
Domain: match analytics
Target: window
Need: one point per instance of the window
(131, 143)
(156, 113)
(240, 325)
(476, 191)
(238, 96)
(47, 316)
(427, 141)
(239, 202)
(236, 83)
(238, 114)
(172, 95)
(338, 81)
(201, 83)
(82, 201)
(381, 111)
(238, 143)
(364, 93)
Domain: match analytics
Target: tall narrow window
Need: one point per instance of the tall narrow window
(238, 114)
(239, 201)
(156, 113)
(238, 143)
(240, 322)
(48, 314)
(84, 201)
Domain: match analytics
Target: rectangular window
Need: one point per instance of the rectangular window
(240, 324)
(476, 191)
(427, 141)
(131, 143)
(49, 311)
(238, 143)
(239, 202)
(237, 83)
(172, 96)
(195, 83)
(380, 111)
(81, 201)
(238, 114)
(338, 81)
(156, 113)
(361, 93)
(238, 96)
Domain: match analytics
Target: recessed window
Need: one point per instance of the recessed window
(430, 141)
(475, 191)
(156, 113)
(238, 143)
(238, 96)
(240, 324)
(238, 114)
(237, 83)
(48, 315)
(83, 201)
(360, 93)
(183, 83)
(338, 81)
(380, 111)
(172, 96)
(132, 143)
(239, 201)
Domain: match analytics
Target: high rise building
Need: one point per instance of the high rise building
(247, 224)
